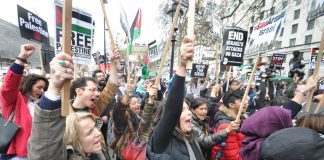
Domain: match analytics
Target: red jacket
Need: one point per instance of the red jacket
(233, 144)
(234, 139)
(11, 99)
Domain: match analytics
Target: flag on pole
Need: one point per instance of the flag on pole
(135, 30)
(124, 22)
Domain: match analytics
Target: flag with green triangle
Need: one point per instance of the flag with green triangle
(135, 30)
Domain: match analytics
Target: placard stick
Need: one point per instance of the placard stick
(315, 73)
(191, 24)
(216, 74)
(230, 72)
(238, 116)
(112, 42)
(66, 48)
(319, 105)
(128, 71)
(41, 58)
(167, 46)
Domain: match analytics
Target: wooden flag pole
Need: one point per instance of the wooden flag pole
(315, 73)
(112, 42)
(227, 84)
(216, 74)
(238, 116)
(41, 58)
(66, 48)
(128, 71)
(191, 24)
(167, 46)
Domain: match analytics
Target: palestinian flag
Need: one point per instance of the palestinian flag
(135, 30)
(81, 23)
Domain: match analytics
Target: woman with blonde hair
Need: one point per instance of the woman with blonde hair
(54, 137)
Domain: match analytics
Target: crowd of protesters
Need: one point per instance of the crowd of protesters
(112, 117)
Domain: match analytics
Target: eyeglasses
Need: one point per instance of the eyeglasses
(90, 89)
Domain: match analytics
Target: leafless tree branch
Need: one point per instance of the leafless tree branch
(229, 15)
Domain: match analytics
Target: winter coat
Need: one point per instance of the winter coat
(166, 142)
(206, 141)
(261, 125)
(12, 99)
(46, 140)
(176, 150)
(234, 139)
(293, 144)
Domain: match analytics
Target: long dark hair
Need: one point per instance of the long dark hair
(26, 85)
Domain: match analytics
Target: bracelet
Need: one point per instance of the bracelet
(21, 59)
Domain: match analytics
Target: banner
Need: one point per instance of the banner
(82, 34)
(234, 42)
(199, 70)
(154, 53)
(265, 32)
(32, 27)
(277, 61)
(316, 9)
(312, 62)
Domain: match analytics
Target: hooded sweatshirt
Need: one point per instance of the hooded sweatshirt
(261, 125)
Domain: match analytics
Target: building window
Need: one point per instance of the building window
(279, 43)
(282, 32)
(308, 39)
(298, 2)
(294, 28)
(261, 15)
(292, 42)
(310, 24)
(272, 11)
(284, 4)
(296, 14)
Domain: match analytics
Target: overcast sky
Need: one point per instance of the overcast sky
(45, 10)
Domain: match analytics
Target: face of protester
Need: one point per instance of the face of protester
(88, 94)
(201, 112)
(38, 89)
(89, 136)
(134, 105)
(235, 85)
(236, 105)
(186, 119)
(101, 78)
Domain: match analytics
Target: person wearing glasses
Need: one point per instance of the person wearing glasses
(77, 136)
(86, 95)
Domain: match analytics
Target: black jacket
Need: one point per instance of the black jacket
(204, 136)
(293, 144)
(176, 150)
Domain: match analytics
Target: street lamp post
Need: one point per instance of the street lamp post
(171, 12)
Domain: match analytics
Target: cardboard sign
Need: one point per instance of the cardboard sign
(199, 70)
(82, 34)
(234, 42)
(277, 61)
(154, 53)
(32, 27)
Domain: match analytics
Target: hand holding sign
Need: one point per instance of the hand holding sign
(187, 50)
